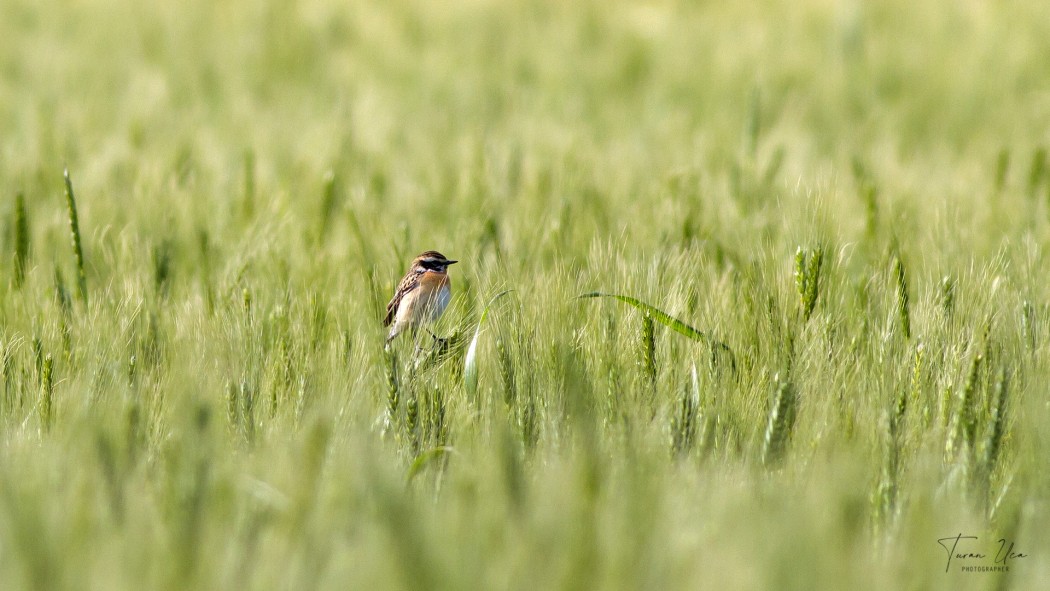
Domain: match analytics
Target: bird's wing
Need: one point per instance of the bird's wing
(407, 284)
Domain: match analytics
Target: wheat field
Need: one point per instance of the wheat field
(815, 351)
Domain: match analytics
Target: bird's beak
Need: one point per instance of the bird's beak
(451, 262)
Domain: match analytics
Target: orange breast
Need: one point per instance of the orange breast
(431, 280)
(434, 292)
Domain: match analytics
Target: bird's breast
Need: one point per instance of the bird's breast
(433, 279)
(435, 292)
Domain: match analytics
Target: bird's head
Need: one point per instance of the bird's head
(432, 260)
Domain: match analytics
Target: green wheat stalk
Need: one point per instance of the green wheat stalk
(903, 313)
(963, 421)
(647, 350)
(996, 422)
(233, 408)
(437, 427)
(74, 228)
(886, 492)
(247, 399)
(690, 420)
(21, 241)
(948, 295)
(506, 371)
(807, 278)
(889, 482)
(393, 382)
(1028, 324)
(47, 401)
(780, 424)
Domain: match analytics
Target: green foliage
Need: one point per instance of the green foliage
(222, 414)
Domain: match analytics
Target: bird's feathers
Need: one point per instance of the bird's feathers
(410, 282)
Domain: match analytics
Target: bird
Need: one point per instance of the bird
(422, 295)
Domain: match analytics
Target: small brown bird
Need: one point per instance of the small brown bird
(422, 295)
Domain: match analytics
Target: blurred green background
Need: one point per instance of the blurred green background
(251, 179)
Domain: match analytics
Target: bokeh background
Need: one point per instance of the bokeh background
(215, 409)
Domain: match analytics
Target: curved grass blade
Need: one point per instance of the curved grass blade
(470, 363)
(667, 320)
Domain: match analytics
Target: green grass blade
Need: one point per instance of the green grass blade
(667, 320)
